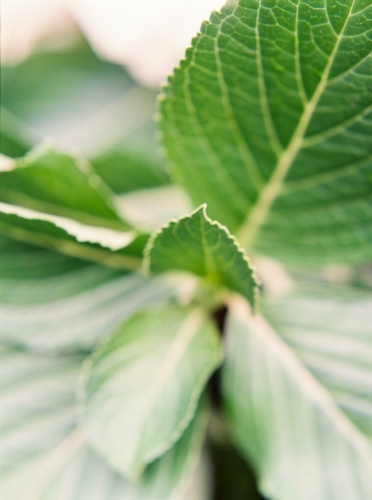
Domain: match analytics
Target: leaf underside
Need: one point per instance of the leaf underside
(268, 120)
(140, 390)
(38, 400)
(307, 432)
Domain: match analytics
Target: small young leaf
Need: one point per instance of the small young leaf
(140, 389)
(299, 439)
(198, 245)
(268, 120)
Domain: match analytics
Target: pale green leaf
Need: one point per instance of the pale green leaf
(59, 184)
(330, 330)
(141, 387)
(53, 303)
(80, 101)
(198, 245)
(101, 244)
(268, 120)
(43, 452)
(303, 429)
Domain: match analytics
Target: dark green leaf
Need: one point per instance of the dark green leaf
(268, 120)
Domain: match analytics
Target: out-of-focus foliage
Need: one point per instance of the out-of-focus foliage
(108, 381)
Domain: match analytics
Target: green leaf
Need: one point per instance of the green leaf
(53, 303)
(125, 171)
(13, 140)
(140, 389)
(198, 245)
(329, 329)
(304, 422)
(268, 120)
(99, 244)
(44, 455)
(81, 102)
(57, 183)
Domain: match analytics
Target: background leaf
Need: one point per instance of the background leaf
(59, 184)
(198, 245)
(268, 120)
(141, 387)
(295, 430)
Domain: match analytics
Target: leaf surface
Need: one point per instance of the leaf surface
(304, 421)
(60, 184)
(107, 246)
(196, 244)
(268, 120)
(141, 387)
(81, 102)
(52, 303)
(44, 455)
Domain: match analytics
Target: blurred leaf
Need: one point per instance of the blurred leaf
(50, 302)
(80, 101)
(198, 245)
(13, 142)
(268, 120)
(330, 330)
(43, 453)
(141, 387)
(98, 244)
(126, 171)
(56, 183)
(297, 432)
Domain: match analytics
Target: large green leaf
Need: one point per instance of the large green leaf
(141, 387)
(304, 422)
(50, 302)
(43, 452)
(268, 120)
(198, 245)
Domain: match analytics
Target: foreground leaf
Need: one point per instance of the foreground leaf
(268, 120)
(299, 440)
(141, 388)
(43, 453)
(53, 303)
(198, 245)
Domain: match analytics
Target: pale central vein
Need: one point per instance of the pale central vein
(260, 210)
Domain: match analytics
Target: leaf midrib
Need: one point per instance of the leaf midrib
(259, 212)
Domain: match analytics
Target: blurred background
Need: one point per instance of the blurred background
(85, 75)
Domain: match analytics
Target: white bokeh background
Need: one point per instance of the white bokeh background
(147, 36)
